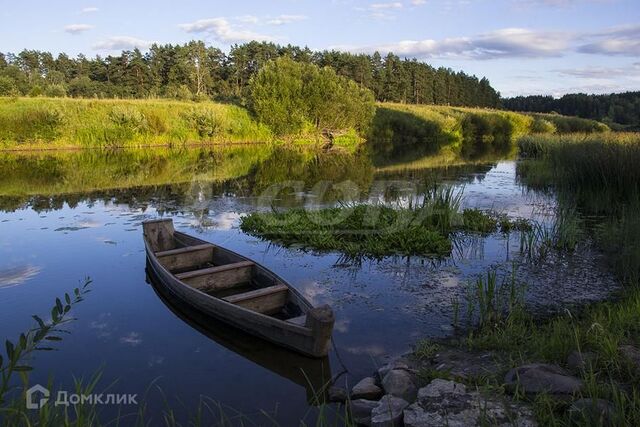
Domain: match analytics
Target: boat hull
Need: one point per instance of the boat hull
(290, 335)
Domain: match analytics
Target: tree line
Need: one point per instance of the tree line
(613, 109)
(196, 71)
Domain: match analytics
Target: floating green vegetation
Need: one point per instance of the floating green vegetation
(376, 231)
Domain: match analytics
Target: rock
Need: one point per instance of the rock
(577, 361)
(401, 384)
(449, 403)
(361, 410)
(632, 354)
(366, 389)
(439, 388)
(337, 394)
(592, 411)
(389, 411)
(541, 377)
(463, 364)
(397, 364)
(416, 416)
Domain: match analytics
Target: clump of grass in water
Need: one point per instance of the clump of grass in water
(563, 234)
(494, 298)
(422, 228)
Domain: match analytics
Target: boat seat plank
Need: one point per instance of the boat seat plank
(267, 300)
(219, 277)
(300, 320)
(184, 250)
(187, 257)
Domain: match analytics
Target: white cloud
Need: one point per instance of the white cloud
(517, 43)
(89, 10)
(592, 72)
(122, 43)
(557, 3)
(389, 5)
(286, 19)
(222, 30)
(248, 19)
(418, 2)
(77, 28)
(622, 40)
(508, 42)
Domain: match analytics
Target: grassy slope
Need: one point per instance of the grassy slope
(59, 123)
(46, 122)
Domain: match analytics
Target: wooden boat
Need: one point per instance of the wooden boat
(313, 374)
(225, 285)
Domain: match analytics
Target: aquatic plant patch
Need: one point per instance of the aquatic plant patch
(374, 230)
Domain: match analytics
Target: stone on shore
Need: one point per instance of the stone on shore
(337, 394)
(542, 378)
(463, 364)
(580, 361)
(400, 383)
(389, 412)
(632, 354)
(592, 411)
(449, 403)
(361, 411)
(366, 389)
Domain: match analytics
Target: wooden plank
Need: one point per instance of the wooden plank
(184, 250)
(265, 300)
(219, 277)
(159, 234)
(187, 257)
(300, 320)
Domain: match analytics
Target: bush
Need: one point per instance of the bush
(8, 86)
(540, 125)
(56, 90)
(30, 124)
(288, 96)
(129, 118)
(181, 92)
(205, 121)
(35, 91)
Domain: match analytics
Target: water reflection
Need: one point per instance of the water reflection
(97, 200)
(311, 373)
(15, 276)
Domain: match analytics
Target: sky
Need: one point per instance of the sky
(523, 47)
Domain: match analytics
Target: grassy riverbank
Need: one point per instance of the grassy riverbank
(596, 177)
(45, 123)
(400, 130)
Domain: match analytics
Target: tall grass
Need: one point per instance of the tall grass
(599, 176)
(400, 129)
(58, 122)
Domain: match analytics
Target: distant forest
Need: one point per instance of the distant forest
(195, 71)
(617, 108)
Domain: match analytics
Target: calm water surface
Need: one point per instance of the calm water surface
(79, 215)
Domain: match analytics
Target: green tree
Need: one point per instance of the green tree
(287, 95)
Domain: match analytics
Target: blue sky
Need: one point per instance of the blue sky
(522, 46)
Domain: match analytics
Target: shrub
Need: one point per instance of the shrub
(540, 125)
(206, 122)
(8, 86)
(128, 118)
(56, 90)
(30, 124)
(288, 96)
(35, 91)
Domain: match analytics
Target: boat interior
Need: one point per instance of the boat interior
(223, 274)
